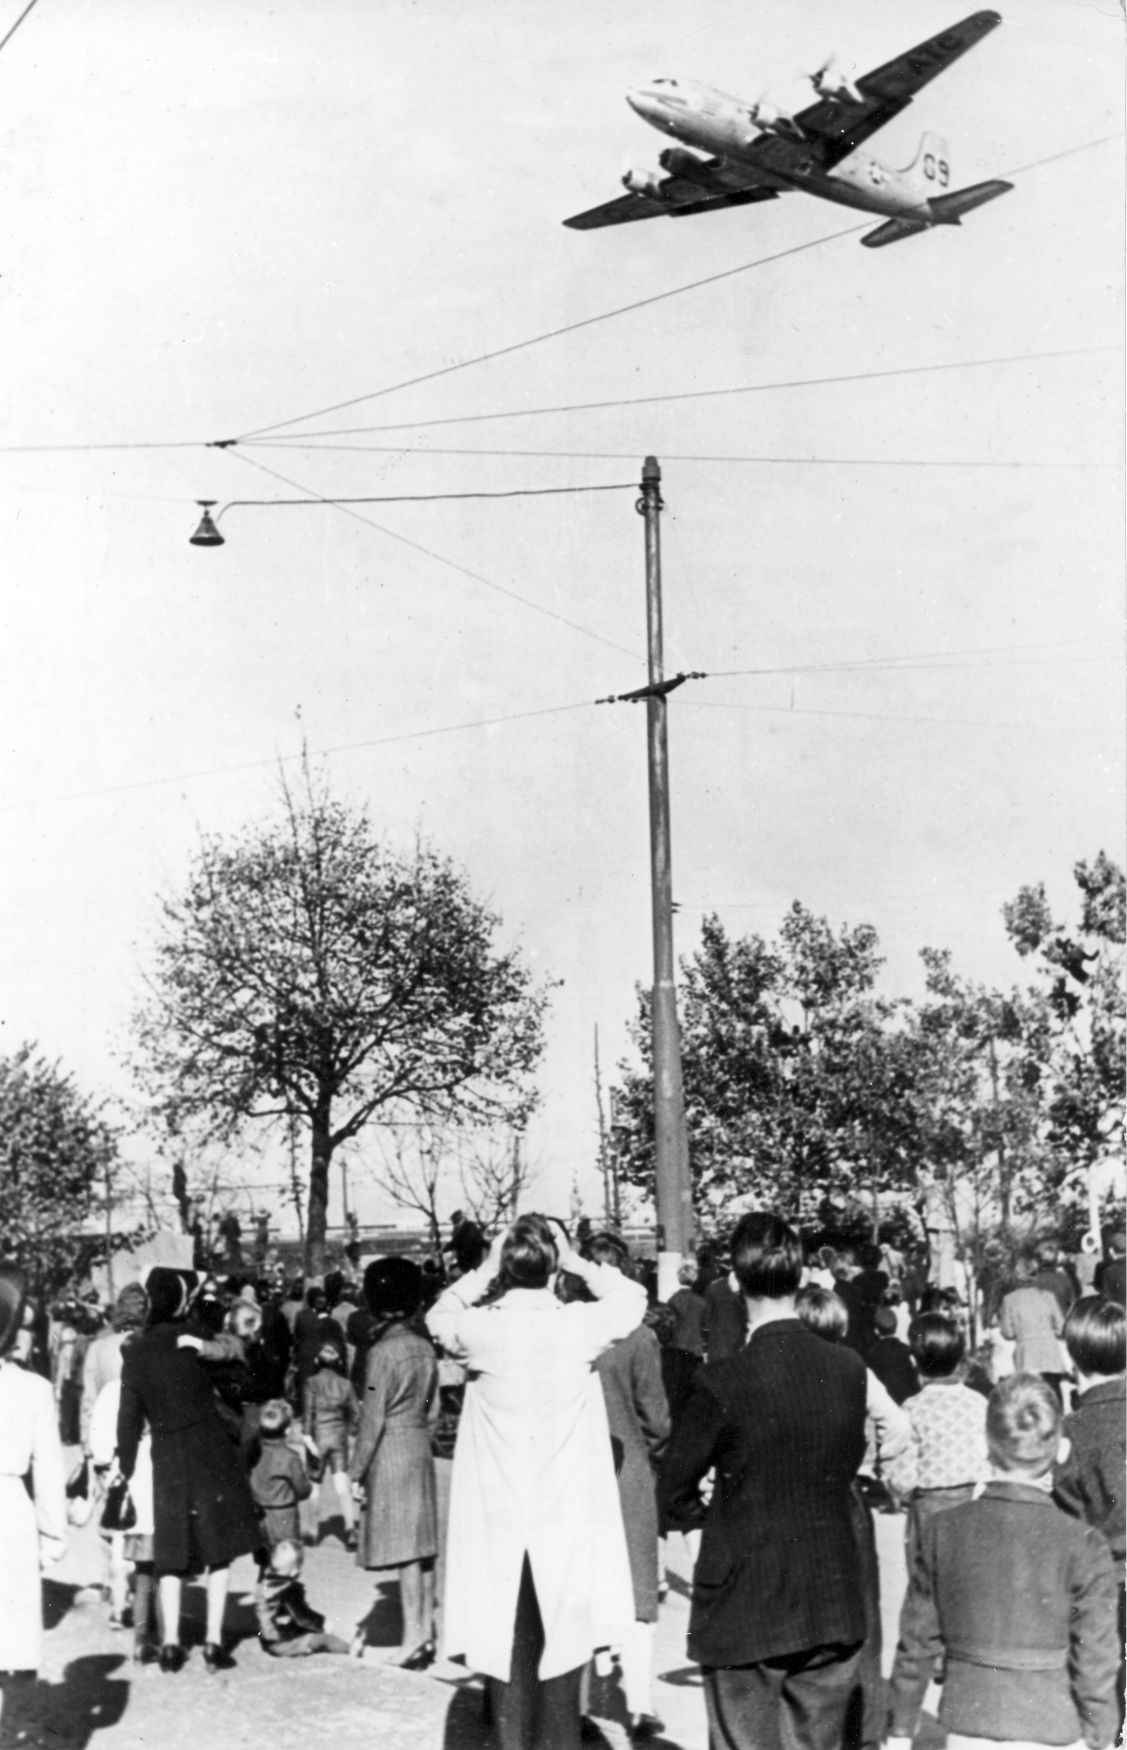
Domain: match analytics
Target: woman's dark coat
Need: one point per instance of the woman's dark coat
(638, 1414)
(204, 1514)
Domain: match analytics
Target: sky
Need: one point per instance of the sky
(218, 218)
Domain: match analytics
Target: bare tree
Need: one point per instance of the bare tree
(495, 1175)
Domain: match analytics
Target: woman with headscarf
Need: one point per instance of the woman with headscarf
(537, 1574)
(204, 1515)
(32, 1522)
(392, 1467)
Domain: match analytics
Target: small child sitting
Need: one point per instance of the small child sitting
(1020, 1598)
(288, 1626)
(278, 1478)
(947, 1455)
(1090, 1482)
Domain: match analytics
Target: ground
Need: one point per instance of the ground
(90, 1695)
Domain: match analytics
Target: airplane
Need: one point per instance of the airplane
(757, 151)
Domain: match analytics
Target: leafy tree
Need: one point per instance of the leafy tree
(1079, 995)
(793, 1112)
(309, 975)
(57, 1153)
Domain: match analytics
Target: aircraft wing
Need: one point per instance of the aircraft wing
(841, 124)
(676, 197)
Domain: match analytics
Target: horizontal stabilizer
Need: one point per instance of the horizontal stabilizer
(949, 208)
(892, 231)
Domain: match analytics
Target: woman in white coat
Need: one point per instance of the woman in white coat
(32, 1523)
(537, 1574)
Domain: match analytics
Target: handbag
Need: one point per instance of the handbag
(80, 1494)
(119, 1512)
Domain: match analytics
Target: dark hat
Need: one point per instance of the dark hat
(393, 1285)
(13, 1293)
(168, 1293)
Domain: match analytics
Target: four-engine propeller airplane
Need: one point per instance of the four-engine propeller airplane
(757, 151)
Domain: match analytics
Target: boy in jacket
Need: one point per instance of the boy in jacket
(1019, 1598)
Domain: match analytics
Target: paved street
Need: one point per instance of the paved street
(91, 1696)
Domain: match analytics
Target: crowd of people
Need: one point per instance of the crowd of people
(780, 1397)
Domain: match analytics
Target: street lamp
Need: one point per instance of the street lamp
(206, 535)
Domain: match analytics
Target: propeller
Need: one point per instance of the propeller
(834, 79)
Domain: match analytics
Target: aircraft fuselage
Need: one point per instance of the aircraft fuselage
(725, 127)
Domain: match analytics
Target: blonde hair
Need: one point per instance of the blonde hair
(244, 1320)
(1023, 1421)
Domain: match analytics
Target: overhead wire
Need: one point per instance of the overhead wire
(895, 717)
(552, 334)
(11, 31)
(621, 310)
(678, 456)
(441, 559)
(290, 759)
(298, 440)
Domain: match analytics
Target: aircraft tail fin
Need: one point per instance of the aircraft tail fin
(931, 166)
(948, 209)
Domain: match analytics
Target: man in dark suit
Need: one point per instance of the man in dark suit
(778, 1614)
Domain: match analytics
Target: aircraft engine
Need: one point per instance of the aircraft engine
(770, 118)
(642, 181)
(678, 162)
(833, 80)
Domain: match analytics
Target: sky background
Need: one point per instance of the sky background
(218, 217)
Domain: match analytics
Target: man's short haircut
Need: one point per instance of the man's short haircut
(528, 1254)
(884, 1321)
(937, 1344)
(687, 1274)
(766, 1256)
(871, 1257)
(1023, 1421)
(607, 1248)
(1095, 1335)
(823, 1312)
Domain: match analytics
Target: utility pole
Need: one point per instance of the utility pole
(673, 1189)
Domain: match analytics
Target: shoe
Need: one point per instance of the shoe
(419, 1659)
(172, 1657)
(144, 1653)
(215, 1658)
(644, 1726)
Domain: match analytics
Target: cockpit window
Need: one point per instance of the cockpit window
(672, 82)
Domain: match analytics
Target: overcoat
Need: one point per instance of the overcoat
(203, 1511)
(29, 1442)
(783, 1425)
(392, 1456)
(534, 1472)
(638, 1415)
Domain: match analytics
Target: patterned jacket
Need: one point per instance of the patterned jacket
(948, 1444)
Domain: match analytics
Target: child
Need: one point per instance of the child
(288, 1627)
(947, 1453)
(330, 1414)
(1089, 1482)
(1019, 1598)
(890, 1359)
(886, 1436)
(278, 1478)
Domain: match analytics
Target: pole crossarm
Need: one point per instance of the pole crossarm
(655, 690)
